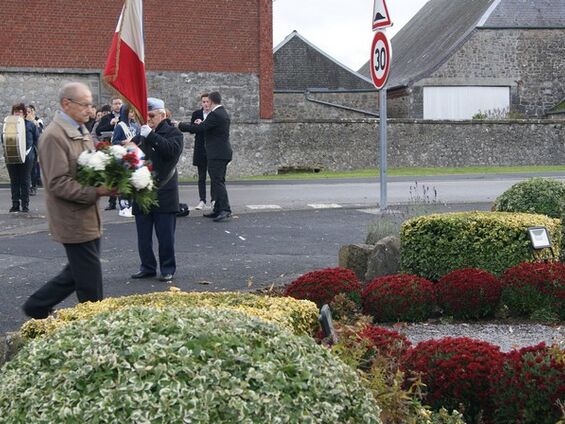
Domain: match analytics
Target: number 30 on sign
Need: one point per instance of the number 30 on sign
(380, 59)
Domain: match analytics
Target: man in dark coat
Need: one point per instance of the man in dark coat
(108, 122)
(216, 130)
(199, 158)
(162, 144)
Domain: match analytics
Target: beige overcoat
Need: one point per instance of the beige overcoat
(72, 209)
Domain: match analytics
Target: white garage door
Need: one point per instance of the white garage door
(464, 102)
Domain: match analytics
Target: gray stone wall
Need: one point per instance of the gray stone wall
(181, 91)
(531, 61)
(262, 148)
(41, 88)
(295, 105)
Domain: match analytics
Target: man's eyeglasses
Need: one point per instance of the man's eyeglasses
(85, 105)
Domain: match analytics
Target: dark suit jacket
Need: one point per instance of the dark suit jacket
(105, 124)
(199, 156)
(216, 129)
(163, 148)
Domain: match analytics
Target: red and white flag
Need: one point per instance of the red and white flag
(125, 66)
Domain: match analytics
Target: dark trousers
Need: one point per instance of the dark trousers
(83, 274)
(20, 181)
(165, 225)
(217, 171)
(202, 169)
(35, 174)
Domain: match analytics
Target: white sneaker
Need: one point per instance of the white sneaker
(126, 213)
(212, 203)
(200, 206)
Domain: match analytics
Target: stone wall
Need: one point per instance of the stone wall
(529, 61)
(264, 147)
(181, 91)
(296, 106)
(532, 59)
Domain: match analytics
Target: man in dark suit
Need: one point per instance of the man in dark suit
(199, 158)
(216, 129)
(162, 144)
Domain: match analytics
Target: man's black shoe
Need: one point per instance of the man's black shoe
(166, 278)
(143, 274)
(223, 216)
(25, 209)
(211, 214)
(110, 208)
(15, 209)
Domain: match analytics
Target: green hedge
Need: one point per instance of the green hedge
(297, 316)
(434, 245)
(199, 365)
(536, 195)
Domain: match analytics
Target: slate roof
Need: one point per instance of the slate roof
(300, 65)
(442, 26)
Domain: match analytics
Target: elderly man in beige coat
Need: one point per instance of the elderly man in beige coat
(72, 209)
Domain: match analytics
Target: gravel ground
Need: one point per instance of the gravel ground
(507, 336)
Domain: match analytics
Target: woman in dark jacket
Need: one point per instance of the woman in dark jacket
(20, 174)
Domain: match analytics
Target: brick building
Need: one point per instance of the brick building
(458, 57)
(190, 47)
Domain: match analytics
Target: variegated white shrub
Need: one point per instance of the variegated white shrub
(144, 365)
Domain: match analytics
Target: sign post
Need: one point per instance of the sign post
(380, 66)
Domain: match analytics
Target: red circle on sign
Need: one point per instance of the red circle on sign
(380, 59)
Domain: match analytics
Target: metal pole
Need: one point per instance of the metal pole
(382, 139)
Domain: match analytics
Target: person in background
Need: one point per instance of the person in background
(20, 173)
(162, 144)
(124, 131)
(216, 129)
(100, 113)
(35, 171)
(72, 209)
(199, 154)
(92, 118)
(108, 122)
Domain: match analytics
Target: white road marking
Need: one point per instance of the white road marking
(324, 205)
(263, 207)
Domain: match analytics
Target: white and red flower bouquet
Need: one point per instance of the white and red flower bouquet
(122, 168)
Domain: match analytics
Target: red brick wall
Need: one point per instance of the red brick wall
(180, 35)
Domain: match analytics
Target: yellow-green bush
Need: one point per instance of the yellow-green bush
(433, 245)
(297, 316)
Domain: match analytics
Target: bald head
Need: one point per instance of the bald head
(73, 90)
(76, 101)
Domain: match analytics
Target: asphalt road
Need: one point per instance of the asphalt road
(260, 246)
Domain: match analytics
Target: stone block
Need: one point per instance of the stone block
(384, 259)
(354, 257)
(10, 345)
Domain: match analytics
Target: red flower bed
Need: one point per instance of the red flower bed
(532, 380)
(385, 342)
(401, 297)
(321, 286)
(457, 371)
(468, 293)
(532, 286)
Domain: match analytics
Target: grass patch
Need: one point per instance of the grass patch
(406, 172)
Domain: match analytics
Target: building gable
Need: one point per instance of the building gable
(299, 65)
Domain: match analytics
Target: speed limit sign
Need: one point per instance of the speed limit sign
(380, 59)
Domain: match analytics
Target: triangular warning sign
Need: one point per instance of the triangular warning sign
(381, 18)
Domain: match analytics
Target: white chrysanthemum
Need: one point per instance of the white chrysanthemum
(118, 151)
(141, 178)
(84, 158)
(98, 161)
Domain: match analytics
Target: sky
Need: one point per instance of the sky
(340, 28)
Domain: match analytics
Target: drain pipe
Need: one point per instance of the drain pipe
(310, 99)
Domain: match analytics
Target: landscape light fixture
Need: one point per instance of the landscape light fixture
(539, 237)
